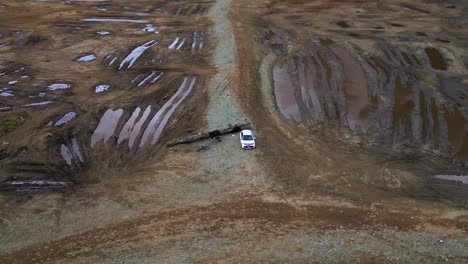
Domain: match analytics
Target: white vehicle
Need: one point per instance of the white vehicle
(247, 139)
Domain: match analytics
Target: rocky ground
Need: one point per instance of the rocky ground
(358, 107)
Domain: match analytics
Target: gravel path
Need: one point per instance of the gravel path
(224, 163)
(222, 109)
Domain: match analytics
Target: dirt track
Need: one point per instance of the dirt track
(305, 195)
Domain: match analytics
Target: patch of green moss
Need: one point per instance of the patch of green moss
(9, 123)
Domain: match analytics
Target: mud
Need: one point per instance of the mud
(284, 92)
(390, 88)
(60, 64)
(355, 89)
(436, 59)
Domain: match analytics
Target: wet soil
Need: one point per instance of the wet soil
(132, 66)
(378, 85)
(284, 93)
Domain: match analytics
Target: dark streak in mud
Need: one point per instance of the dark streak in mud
(403, 107)
(436, 59)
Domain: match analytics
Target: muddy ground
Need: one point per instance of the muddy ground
(359, 108)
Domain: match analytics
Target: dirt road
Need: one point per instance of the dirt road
(305, 195)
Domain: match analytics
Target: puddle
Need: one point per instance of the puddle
(127, 128)
(187, 88)
(137, 13)
(69, 155)
(177, 43)
(37, 104)
(65, 119)
(37, 182)
(284, 93)
(151, 28)
(181, 44)
(76, 150)
(59, 86)
(103, 33)
(160, 119)
(28, 186)
(307, 89)
(174, 43)
(5, 108)
(66, 154)
(102, 9)
(131, 131)
(86, 58)
(112, 61)
(101, 88)
(436, 59)
(119, 20)
(138, 126)
(135, 54)
(197, 41)
(6, 94)
(456, 178)
(355, 89)
(106, 126)
(152, 78)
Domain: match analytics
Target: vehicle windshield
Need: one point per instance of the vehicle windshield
(248, 137)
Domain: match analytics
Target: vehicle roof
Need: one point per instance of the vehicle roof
(247, 132)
